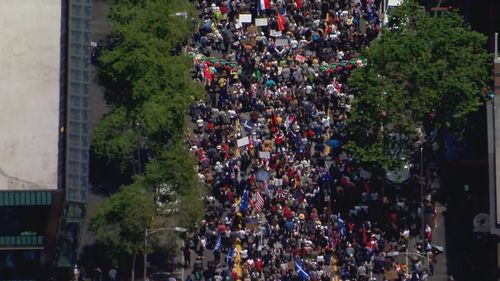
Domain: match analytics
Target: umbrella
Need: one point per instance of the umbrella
(262, 175)
(333, 143)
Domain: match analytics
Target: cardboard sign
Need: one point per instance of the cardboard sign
(281, 42)
(264, 155)
(300, 58)
(243, 141)
(261, 22)
(252, 29)
(391, 275)
(245, 18)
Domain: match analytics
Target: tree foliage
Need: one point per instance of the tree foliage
(114, 137)
(420, 64)
(149, 91)
(120, 220)
(148, 86)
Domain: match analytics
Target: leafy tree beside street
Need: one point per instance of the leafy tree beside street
(148, 92)
(423, 73)
(119, 222)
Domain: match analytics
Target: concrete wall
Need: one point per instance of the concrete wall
(29, 93)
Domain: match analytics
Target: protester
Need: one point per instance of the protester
(286, 199)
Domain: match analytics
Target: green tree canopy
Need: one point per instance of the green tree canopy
(120, 220)
(114, 137)
(148, 87)
(176, 167)
(420, 64)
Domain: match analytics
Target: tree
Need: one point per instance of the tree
(149, 91)
(176, 167)
(114, 137)
(119, 221)
(423, 72)
(148, 86)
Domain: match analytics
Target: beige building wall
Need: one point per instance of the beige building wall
(29, 93)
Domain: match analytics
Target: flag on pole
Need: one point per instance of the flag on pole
(265, 4)
(218, 243)
(246, 124)
(299, 4)
(230, 255)
(244, 202)
(303, 275)
(259, 204)
(342, 226)
(281, 21)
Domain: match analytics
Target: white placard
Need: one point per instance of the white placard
(281, 42)
(245, 18)
(261, 22)
(264, 155)
(238, 25)
(243, 141)
(275, 33)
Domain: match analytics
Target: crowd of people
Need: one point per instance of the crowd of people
(287, 202)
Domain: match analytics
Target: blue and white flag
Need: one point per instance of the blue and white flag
(342, 226)
(230, 255)
(244, 202)
(246, 124)
(218, 243)
(303, 275)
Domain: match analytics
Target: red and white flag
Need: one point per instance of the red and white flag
(265, 5)
(259, 202)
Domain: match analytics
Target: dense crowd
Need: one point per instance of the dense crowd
(287, 202)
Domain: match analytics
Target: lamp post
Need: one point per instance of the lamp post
(422, 193)
(148, 232)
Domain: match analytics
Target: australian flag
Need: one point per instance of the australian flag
(246, 124)
(303, 275)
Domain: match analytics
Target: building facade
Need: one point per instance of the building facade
(44, 108)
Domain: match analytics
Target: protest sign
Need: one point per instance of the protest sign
(243, 141)
(264, 155)
(281, 42)
(300, 58)
(245, 18)
(261, 22)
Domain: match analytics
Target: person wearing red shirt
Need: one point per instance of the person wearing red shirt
(258, 264)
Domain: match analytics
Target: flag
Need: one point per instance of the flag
(346, 181)
(246, 124)
(230, 255)
(303, 275)
(208, 75)
(281, 22)
(299, 4)
(218, 244)
(265, 4)
(342, 226)
(244, 202)
(259, 204)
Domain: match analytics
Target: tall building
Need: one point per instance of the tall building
(44, 93)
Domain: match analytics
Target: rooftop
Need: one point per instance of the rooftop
(29, 93)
